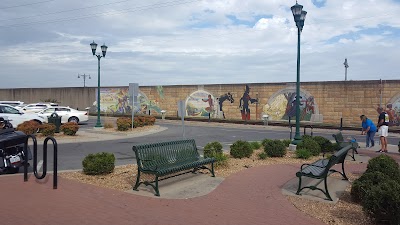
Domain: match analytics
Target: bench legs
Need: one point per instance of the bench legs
(204, 167)
(326, 192)
(138, 183)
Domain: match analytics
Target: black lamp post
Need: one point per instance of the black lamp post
(103, 50)
(299, 16)
(84, 78)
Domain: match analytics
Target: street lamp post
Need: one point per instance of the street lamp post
(84, 78)
(103, 50)
(346, 65)
(299, 16)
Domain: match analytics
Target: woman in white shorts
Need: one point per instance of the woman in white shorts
(383, 129)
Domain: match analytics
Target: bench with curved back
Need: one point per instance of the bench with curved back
(342, 143)
(165, 158)
(321, 169)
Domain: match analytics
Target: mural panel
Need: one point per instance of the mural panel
(282, 105)
(393, 110)
(200, 103)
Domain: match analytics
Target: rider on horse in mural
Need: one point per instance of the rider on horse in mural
(244, 103)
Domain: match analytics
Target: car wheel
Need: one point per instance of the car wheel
(39, 123)
(73, 119)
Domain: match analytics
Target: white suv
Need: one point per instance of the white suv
(36, 107)
(17, 117)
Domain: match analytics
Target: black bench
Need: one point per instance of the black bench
(342, 143)
(321, 169)
(166, 158)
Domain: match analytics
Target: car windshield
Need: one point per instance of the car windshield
(8, 109)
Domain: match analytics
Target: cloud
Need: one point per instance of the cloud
(195, 42)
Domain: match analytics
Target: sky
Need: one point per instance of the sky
(46, 43)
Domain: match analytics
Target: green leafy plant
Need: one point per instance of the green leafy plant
(382, 202)
(28, 127)
(262, 155)
(309, 144)
(99, 163)
(275, 148)
(255, 145)
(265, 142)
(212, 149)
(47, 129)
(286, 142)
(302, 153)
(69, 128)
(124, 123)
(241, 149)
(324, 144)
(221, 160)
(362, 185)
(385, 165)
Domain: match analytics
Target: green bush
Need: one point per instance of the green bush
(275, 148)
(124, 123)
(309, 144)
(324, 144)
(69, 128)
(302, 153)
(385, 165)
(212, 149)
(382, 202)
(262, 155)
(255, 145)
(265, 142)
(362, 185)
(99, 163)
(286, 142)
(241, 149)
(47, 129)
(221, 160)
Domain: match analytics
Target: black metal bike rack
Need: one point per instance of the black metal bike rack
(35, 172)
(308, 126)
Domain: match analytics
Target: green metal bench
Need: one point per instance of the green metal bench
(166, 158)
(342, 143)
(321, 169)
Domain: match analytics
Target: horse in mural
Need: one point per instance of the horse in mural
(227, 96)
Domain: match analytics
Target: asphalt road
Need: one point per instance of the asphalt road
(70, 155)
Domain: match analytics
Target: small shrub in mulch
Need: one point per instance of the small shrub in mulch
(69, 128)
(99, 163)
(241, 149)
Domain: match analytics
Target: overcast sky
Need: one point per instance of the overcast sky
(45, 43)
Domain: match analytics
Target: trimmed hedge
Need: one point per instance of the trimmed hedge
(99, 163)
(275, 148)
(241, 149)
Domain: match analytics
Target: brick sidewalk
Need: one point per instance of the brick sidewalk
(252, 196)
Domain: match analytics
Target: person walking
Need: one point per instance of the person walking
(383, 128)
(369, 129)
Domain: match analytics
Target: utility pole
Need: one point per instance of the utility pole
(84, 78)
(346, 65)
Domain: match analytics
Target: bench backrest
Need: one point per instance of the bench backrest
(338, 137)
(149, 156)
(338, 157)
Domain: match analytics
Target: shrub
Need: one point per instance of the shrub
(221, 160)
(302, 153)
(212, 149)
(241, 149)
(69, 128)
(309, 144)
(265, 142)
(47, 129)
(385, 165)
(275, 148)
(255, 145)
(363, 184)
(286, 142)
(28, 127)
(124, 123)
(382, 202)
(108, 125)
(262, 155)
(324, 144)
(99, 163)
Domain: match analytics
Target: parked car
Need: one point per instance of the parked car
(67, 114)
(16, 116)
(12, 103)
(36, 107)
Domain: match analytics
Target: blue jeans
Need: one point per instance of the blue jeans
(370, 137)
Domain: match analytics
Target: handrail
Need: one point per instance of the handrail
(308, 126)
(35, 172)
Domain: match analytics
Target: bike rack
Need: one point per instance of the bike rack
(308, 126)
(35, 172)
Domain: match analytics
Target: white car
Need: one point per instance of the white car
(67, 114)
(36, 107)
(17, 117)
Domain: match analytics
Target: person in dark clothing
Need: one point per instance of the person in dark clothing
(383, 128)
(244, 103)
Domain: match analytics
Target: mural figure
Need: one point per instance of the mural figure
(222, 98)
(198, 104)
(210, 107)
(244, 103)
(393, 115)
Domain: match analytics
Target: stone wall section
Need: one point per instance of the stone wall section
(335, 100)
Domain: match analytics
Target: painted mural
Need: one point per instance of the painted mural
(244, 103)
(225, 97)
(282, 105)
(393, 110)
(116, 101)
(200, 103)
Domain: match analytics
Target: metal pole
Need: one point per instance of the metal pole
(297, 137)
(98, 123)
(380, 90)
